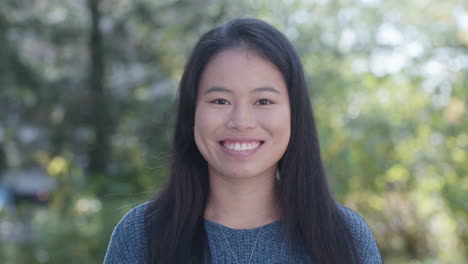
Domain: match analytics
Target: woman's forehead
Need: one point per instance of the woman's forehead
(240, 69)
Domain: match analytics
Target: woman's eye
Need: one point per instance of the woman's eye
(263, 102)
(220, 101)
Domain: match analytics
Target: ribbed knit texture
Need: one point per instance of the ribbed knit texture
(128, 242)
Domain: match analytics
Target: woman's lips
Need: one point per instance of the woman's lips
(240, 148)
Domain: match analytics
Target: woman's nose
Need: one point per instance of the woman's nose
(241, 117)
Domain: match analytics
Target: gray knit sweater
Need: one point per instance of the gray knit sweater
(128, 243)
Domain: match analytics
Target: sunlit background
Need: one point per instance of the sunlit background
(87, 94)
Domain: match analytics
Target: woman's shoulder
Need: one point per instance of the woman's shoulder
(134, 217)
(362, 234)
(128, 242)
(354, 221)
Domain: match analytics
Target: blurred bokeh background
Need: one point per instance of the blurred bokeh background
(87, 94)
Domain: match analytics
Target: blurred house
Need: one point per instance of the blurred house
(32, 186)
(16, 187)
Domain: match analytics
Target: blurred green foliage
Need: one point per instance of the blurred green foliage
(388, 82)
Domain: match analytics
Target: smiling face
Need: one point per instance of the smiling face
(242, 118)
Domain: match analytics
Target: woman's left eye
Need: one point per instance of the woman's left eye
(263, 102)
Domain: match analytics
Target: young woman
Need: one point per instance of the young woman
(247, 182)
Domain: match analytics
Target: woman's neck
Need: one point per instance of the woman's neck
(242, 203)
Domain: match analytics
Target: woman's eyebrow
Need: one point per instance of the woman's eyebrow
(256, 90)
(217, 89)
(265, 89)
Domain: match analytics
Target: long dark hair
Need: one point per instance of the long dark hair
(175, 217)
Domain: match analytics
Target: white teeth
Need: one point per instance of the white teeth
(242, 146)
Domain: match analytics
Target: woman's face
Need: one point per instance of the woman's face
(242, 118)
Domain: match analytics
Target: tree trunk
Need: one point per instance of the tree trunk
(100, 120)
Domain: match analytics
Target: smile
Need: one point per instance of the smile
(241, 146)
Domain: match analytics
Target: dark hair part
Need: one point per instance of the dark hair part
(175, 217)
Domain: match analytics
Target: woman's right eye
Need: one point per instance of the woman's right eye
(220, 101)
